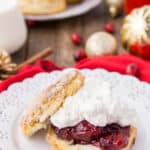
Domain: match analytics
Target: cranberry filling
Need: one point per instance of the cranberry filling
(111, 137)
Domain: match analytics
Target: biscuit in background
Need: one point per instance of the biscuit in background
(73, 1)
(42, 7)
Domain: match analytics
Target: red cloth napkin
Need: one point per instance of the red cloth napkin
(110, 63)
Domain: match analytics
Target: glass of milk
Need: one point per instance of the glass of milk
(13, 31)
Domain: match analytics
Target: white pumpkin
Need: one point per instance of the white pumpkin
(136, 27)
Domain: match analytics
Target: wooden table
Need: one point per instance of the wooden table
(56, 34)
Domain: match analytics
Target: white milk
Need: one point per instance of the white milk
(13, 32)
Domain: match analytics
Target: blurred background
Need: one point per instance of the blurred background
(72, 30)
(56, 34)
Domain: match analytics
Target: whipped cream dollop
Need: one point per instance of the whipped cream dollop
(96, 103)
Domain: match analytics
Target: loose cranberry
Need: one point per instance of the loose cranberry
(31, 23)
(145, 51)
(76, 38)
(109, 27)
(142, 50)
(133, 70)
(135, 48)
(79, 55)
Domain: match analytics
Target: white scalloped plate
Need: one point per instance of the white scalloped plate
(14, 100)
(71, 11)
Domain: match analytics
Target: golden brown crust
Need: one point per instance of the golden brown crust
(132, 138)
(59, 144)
(42, 7)
(49, 102)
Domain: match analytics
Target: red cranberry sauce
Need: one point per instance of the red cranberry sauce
(111, 137)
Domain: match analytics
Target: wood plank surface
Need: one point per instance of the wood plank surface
(56, 34)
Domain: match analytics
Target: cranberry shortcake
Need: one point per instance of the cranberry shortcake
(93, 118)
(36, 116)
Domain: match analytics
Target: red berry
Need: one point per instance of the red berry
(76, 38)
(133, 70)
(109, 27)
(79, 55)
(145, 51)
(31, 23)
(84, 131)
(135, 48)
(142, 50)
